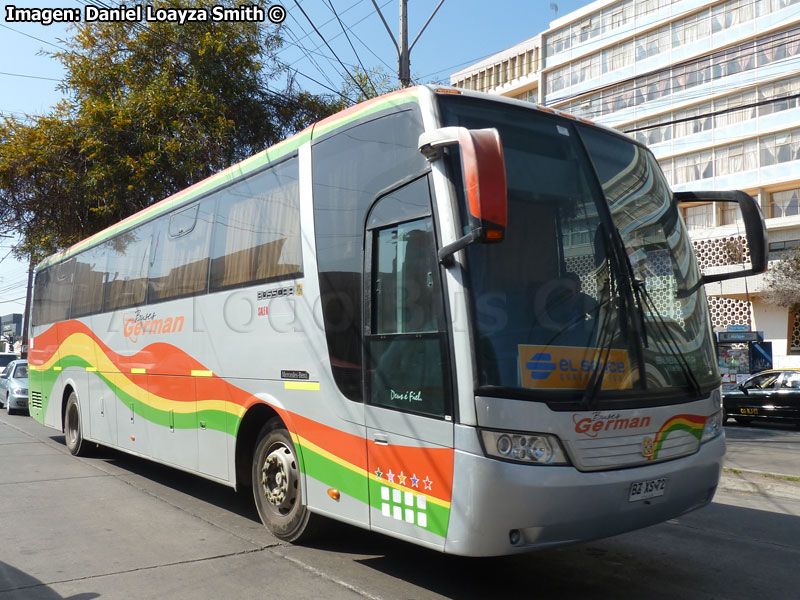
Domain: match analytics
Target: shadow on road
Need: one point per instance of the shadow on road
(18, 584)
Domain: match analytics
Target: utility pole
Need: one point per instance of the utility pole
(26, 323)
(403, 57)
(403, 48)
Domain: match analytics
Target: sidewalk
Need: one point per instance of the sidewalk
(762, 460)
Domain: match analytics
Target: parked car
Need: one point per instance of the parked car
(770, 396)
(5, 358)
(14, 386)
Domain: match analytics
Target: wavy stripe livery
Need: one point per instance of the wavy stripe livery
(250, 165)
(333, 457)
(692, 424)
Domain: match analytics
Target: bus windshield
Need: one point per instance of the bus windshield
(594, 291)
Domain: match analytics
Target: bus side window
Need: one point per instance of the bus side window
(126, 269)
(53, 293)
(87, 292)
(179, 253)
(406, 340)
(257, 229)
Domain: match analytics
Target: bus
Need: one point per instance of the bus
(468, 322)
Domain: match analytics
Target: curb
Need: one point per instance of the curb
(763, 484)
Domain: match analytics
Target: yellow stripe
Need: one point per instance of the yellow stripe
(91, 369)
(56, 368)
(200, 373)
(137, 370)
(301, 385)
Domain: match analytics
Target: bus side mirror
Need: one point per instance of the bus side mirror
(484, 173)
(755, 230)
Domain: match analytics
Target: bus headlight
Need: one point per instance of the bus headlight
(713, 427)
(530, 448)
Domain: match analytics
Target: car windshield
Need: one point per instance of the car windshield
(21, 372)
(579, 295)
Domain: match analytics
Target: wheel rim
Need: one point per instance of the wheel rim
(72, 425)
(279, 479)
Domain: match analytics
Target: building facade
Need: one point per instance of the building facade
(713, 88)
(10, 329)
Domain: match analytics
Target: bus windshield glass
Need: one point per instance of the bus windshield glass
(594, 292)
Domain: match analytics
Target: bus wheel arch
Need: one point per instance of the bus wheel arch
(246, 440)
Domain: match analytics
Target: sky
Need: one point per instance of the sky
(462, 32)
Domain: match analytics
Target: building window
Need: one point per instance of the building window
(690, 29)
(736, 158)
(778, 92)
(785, 204)
(731, 102)
(698, 120)
(779, 148)
(698, 217)
(730, 14)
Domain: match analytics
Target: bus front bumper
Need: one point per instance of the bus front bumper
(505, 508)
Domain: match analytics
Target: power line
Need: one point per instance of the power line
(33, 37)
(28, 76)
(358, 58)
(363, 91)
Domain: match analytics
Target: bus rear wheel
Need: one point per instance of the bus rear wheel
(277, 482)
(73, 429)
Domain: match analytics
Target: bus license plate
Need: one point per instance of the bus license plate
(748, 411)
(641, 490)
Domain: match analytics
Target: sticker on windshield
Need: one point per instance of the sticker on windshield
(562, 130)
(568, 367)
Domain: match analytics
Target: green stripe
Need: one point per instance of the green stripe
(215, 419)
(333, 474)
(248, 165)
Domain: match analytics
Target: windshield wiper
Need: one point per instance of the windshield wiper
(669, 339)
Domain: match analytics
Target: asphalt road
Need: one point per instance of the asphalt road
(113, 526)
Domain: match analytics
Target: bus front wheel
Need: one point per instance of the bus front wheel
(276, 479)
(73, 428)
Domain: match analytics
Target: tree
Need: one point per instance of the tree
(150, 109)
(783, 282)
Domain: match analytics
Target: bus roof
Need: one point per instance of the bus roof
(245, 167)
(278, 152)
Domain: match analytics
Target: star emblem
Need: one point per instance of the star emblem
(401, 479)
(390, 476)
(378, 473)
(414, 480)
(428, 483)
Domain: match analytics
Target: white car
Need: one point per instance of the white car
(14, 386)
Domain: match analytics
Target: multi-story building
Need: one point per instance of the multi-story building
(713, 88)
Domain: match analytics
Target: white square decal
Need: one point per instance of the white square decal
(386, 510)
(397, 513)
(409, 498)
(397, 496)
(422, 502)
(409, 516)
(385, 493)
(422, 519)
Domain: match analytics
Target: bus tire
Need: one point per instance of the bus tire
(73, 428)
(277, 485)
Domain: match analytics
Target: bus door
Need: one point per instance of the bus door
(408, 390)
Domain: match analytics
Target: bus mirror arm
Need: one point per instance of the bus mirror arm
(755, 230)
(446, 252)
(484, 182)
